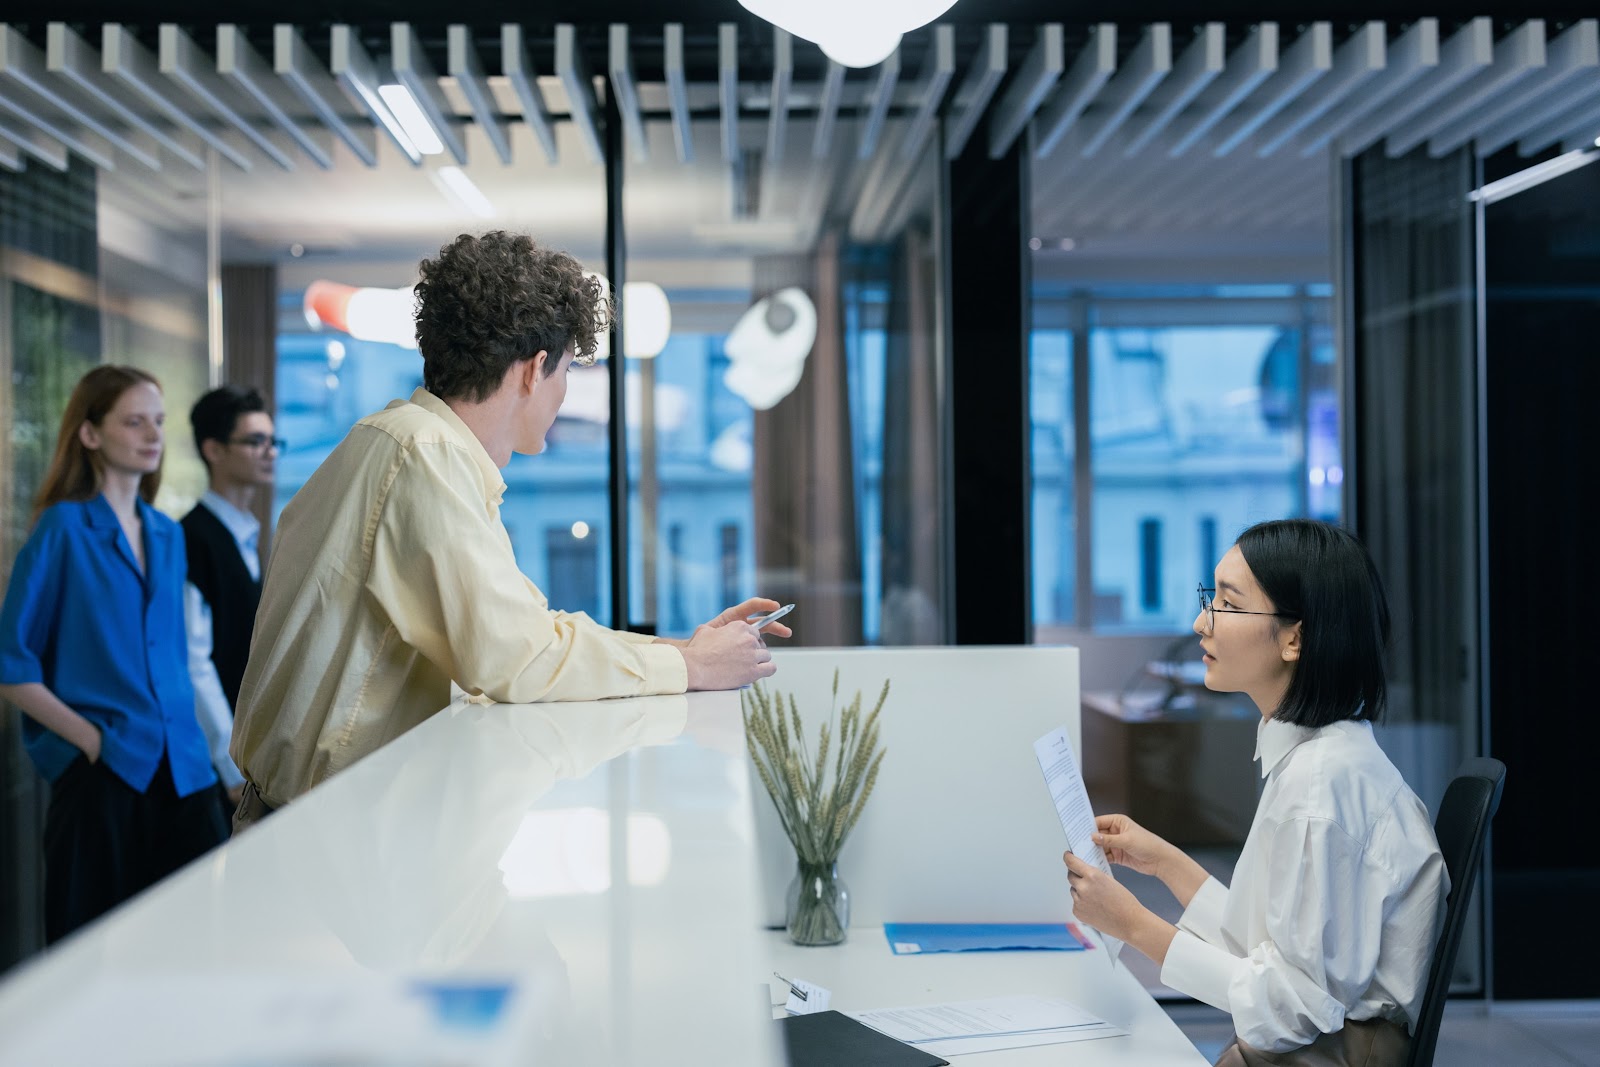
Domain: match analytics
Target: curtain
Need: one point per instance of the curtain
(1414, 408)
(1415, 421)
(803, 483)
(913, 564)
(250, 349)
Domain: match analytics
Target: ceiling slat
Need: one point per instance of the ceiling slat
(1038, 75)
(1357, 60)
(464, 65)
(1308, 59)
(1409, 59)
(1573, 59)
(1518, 55)
(1090, 71)
(294, 62)
(1252, 63)
(183, 61)
(983, 77)
(1145, 69)
(410, 64)
(240, 63)
(354, 69)
(519, 71)
(23, 62)
(1468, 51)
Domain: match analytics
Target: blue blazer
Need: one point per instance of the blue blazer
(80, 618)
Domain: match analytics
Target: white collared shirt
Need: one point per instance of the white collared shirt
(1337, 899)
(210, 702)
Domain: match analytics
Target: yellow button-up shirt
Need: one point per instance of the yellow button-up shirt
(392, 575)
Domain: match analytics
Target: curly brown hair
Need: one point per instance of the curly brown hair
(491, 301)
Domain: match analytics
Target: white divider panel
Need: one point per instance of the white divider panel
(960, 826)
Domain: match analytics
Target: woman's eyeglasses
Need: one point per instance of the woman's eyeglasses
(1207, 593)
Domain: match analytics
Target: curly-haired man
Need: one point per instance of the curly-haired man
(392, 574)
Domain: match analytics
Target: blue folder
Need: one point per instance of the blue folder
(912, 938)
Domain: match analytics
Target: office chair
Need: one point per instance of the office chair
(1462, 825)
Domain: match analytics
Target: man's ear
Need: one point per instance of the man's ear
(533, 370)
(211, 451)
(1289, 641)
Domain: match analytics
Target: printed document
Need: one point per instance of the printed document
(986, 1025)
(1061, 775)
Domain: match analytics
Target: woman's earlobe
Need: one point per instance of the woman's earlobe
(1291, 647)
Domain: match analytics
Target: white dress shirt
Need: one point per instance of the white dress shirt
(1337, 899)
(210, 702)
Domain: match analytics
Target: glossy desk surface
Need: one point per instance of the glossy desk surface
(600, 855)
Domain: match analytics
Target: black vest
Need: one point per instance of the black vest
(218, 571)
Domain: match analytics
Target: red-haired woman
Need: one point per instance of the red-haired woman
(92, 650)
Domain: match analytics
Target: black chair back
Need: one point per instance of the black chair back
(1462, 826)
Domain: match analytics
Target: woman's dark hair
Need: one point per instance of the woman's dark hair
(215, 415)
(1324, 577)
(77, 472)
(488, 302)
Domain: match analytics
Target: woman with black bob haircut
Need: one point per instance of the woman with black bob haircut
(1311, 570)
(1320, 947)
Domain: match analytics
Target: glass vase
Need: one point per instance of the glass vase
(819, 904)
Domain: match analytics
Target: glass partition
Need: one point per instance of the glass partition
(555, 507)
(783, 429)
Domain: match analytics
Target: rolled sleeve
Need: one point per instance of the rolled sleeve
(1203, 916)
(1200, 970)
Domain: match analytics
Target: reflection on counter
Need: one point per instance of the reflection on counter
(556, 853)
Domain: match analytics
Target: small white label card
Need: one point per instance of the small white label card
(805, 998)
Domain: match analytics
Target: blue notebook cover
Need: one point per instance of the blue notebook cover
(907, 939)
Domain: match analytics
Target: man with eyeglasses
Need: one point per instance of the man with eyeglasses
(234, 435)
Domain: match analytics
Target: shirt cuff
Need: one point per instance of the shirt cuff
(228, 773)
(1203, 916)
(635, 639)
(1202, 971)
(664, 668)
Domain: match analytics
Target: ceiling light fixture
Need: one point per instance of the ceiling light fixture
(1537, 174)
(460, 188)
(850, 33)
(408, 113)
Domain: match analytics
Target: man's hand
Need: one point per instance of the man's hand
(756, 605)
(236, 794)
(727, 654)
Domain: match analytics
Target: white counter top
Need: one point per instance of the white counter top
(602, 858)
(597, 854)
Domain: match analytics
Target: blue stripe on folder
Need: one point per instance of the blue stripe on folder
(907, 939)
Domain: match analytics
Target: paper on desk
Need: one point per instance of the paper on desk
(993, 1017)
(1060, 768)
(964, 1046)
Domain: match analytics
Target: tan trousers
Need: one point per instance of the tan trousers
(1364, 1043)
